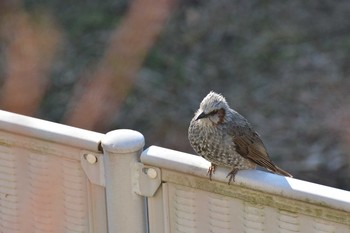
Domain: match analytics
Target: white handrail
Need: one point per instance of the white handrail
(255, 179)
(257, 201)
(49, 131)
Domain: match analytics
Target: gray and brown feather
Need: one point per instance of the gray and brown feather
(225, 138)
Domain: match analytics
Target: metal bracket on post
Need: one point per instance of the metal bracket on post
(146, 180)
(93, 167)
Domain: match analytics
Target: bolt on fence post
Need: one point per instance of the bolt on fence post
(125, 209)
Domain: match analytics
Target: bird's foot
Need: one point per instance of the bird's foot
(211, 170)
(232, 175)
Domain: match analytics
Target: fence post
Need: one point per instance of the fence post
(125, 209)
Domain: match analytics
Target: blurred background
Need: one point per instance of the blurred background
(147, 64)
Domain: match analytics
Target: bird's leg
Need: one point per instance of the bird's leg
(232, 175)
(211, 170)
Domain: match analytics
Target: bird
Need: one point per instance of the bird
(225, 138)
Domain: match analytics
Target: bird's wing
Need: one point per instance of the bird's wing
(249, 145)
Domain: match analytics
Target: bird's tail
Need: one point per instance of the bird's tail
(280, 171)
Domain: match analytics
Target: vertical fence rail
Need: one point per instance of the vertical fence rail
(125, 209)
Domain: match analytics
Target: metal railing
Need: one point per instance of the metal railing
(257, 202)
(56, 178)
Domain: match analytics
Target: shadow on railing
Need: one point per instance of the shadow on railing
(56, 178)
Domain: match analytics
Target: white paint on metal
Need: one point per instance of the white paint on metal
(90, 158)
(125, 208)
(146, 180)
(53, 178)
(256, 202)
(93, 167)
(43, 187)
(152, 173)
(123, 141)
(49, 131)
(255, 179)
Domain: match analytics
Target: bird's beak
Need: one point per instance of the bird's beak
(200, 116)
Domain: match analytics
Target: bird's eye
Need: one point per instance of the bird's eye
(213, 112)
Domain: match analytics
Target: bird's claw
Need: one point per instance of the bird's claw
(211, 170)
(232, 175)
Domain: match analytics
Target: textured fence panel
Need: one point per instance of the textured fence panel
(257, 202)
(55, 178)
(43, 187)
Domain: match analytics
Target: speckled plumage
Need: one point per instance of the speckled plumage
(225, 138)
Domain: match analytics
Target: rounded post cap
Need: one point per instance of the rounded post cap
(123, 141)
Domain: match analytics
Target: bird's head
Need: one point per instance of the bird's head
(212, 109)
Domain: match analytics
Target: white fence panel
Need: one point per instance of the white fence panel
(55, 178)
(257, 202)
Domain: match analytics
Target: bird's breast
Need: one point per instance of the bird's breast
(213, 143)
